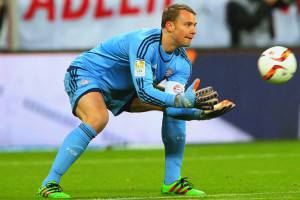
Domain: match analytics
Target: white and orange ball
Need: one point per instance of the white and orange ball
(277, 65)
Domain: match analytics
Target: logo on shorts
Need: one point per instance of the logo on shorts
(83, 82)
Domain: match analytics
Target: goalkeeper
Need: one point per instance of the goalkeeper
(137, 71)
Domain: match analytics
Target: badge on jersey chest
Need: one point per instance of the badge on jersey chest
(139, 68)
(168, 73)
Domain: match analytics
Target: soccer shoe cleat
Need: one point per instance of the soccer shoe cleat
(181, 187)
(52, 190)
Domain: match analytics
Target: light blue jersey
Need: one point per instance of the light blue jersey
(127, 65)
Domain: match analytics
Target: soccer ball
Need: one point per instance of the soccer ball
(277, 65)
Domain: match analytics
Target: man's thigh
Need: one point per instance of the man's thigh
(78, 83)
(90, 105)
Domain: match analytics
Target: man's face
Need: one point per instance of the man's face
(184, 28)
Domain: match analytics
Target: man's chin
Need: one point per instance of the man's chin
(186, 44)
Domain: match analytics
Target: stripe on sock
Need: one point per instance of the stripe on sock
(87, 131)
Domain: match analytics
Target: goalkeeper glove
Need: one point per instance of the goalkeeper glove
(219, 109)
(206, 98)
(197, 114)
(188, 99)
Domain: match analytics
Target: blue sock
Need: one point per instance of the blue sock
(73, 146)
(173, 135)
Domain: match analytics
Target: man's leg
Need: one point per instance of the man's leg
(91, 109)
(173, 136)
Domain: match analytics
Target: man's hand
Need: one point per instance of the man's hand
(197, 114)
(218, 110)
(188, 99)
(206, 98)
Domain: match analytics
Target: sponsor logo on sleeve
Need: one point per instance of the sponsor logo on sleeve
(178, 89)
(139, 68)
(174, 87)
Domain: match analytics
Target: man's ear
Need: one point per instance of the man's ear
(169, 26)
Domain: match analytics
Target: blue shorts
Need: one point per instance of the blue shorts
(79, 82)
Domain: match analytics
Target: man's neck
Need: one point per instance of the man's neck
(167, 42)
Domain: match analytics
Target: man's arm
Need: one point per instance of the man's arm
(197, 114)
(140, 66)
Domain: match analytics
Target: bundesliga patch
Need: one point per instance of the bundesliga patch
(139, 68)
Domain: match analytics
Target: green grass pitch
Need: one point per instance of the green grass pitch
(244, 171)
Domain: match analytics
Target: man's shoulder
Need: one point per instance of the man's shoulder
(149, 31)
(138, 34)
(147, 41)
(148, 34)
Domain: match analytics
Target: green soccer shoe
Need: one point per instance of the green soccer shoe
(52, 190)
(181, 187)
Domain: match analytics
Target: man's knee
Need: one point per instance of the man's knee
(97, 120)
(91, 109)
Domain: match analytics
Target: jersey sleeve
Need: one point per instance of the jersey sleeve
(140, 56)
